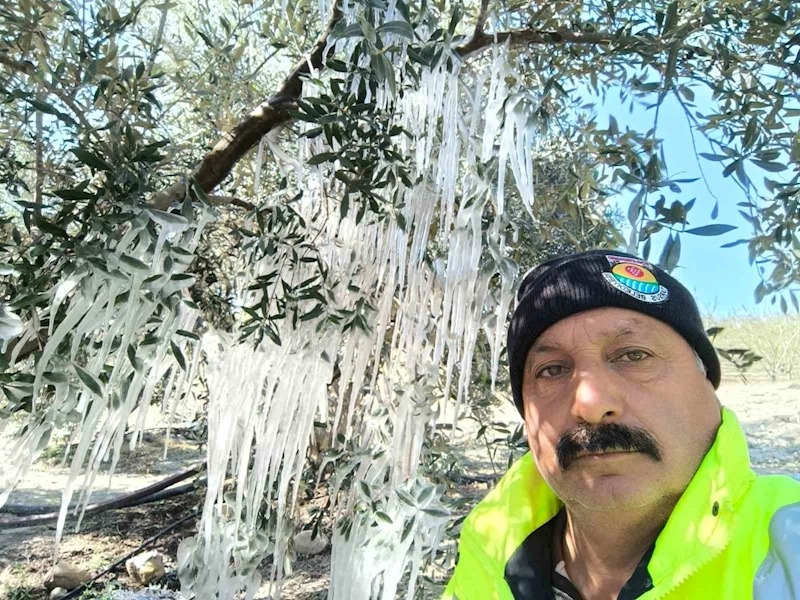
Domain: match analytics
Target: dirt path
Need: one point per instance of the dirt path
(47, 477)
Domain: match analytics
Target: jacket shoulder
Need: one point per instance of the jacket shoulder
(520, 503)
(775, 491)
(496, 527)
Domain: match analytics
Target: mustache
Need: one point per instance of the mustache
(607, 437)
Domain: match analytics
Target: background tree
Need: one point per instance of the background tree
(341, 247)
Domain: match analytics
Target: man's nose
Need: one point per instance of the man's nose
(597, 397)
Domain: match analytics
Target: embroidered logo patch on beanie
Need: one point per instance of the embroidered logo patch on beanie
(635, 278)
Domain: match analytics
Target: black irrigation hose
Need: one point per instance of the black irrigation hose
(25, 509)
(122, 559)
(136, 497)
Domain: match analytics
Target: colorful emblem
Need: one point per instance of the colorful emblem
(635, 278)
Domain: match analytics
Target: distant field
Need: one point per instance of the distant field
(775, 338)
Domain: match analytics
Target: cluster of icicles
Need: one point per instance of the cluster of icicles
(124, 309)
(263, 401)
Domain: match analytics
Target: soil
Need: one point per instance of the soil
(767, 411)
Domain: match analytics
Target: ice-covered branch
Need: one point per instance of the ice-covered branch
(270, 115)
(124, 501)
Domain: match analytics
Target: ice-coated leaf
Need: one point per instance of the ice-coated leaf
(348, 31)
(177, 282)
(398, 27)
(425, 495)
(405, 497)
(55, 377)
(11, 325)
(408, 526)
(168, 220)
(133, 263)
(364, 487)
(89, 380)
(134, 360)
(178, 354)
(384, 517)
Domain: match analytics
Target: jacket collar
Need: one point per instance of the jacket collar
(702, 521)
(698, 529)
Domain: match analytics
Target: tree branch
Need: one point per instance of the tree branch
(28, 68)
(215, 200)
(218, 163)
(24, 67)
(480, 22)
(480, 40)
(157, 44)
(39, 154)
(271, 114)
(25, 510)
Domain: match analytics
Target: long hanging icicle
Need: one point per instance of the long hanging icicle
(260, 416)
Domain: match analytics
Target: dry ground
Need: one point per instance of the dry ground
(768, 412)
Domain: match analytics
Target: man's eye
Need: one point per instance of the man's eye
(634, 356)
(551, 371)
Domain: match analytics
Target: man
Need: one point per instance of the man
(638, 483)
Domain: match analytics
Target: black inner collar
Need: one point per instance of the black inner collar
(530, 570)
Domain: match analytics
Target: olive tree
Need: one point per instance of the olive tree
(336, 255)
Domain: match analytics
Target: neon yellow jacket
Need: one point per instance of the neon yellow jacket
(712, 546)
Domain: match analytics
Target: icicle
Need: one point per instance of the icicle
(11, 326)
(274, 414)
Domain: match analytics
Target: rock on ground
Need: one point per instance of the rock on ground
(303, 544)
(65, 575)
(146, 568)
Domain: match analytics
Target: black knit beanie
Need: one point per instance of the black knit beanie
(571, 284)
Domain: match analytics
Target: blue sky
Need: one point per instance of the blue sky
(721, 279)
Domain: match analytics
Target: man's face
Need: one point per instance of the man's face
(611, 379)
